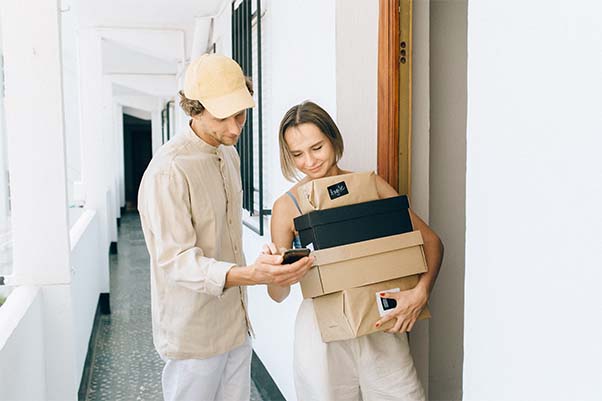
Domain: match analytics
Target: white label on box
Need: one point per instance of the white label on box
(386, 305)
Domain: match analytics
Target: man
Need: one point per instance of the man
(190, 208)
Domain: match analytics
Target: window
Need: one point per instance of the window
(247, 39)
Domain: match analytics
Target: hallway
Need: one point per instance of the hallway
(125, 364)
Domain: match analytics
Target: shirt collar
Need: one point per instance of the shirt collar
(199, 143)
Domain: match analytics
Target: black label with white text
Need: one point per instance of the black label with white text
(337, 190)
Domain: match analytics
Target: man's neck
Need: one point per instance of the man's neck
(208, 139)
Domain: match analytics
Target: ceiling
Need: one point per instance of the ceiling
(172, 14)
(142, 40)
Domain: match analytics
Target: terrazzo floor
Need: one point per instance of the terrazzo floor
(125, 364)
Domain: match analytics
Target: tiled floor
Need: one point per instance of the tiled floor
(125, 364)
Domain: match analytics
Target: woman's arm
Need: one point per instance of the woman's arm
(410, 303)
(282, 237)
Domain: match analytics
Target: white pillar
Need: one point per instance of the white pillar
(118, 118)
(36, 142)
(94, 158)
(180, 118)
(156, 130)
(110, 167)
(4, 210)
(32, 56)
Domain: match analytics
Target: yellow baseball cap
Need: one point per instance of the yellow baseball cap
(219, 84)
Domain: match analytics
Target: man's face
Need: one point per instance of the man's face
(216, 131)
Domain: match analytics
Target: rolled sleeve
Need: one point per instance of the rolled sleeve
(216, 277)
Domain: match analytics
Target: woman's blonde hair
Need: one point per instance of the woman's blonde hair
(193, 107)
(306, 112)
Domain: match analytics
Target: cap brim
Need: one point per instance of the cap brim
(230, 104)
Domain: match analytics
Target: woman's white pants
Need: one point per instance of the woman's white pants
(373, 367)
(225, 377)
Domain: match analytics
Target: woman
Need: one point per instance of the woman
(372, 367)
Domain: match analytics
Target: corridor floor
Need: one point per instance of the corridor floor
(125, 365)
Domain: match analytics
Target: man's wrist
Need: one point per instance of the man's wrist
(239, 275)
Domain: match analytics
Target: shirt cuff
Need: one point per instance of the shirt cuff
(216, 277)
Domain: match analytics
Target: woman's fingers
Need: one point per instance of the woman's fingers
(269, 249)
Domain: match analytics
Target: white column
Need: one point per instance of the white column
(118, 118)
(32, 55)
(180, 118)
(110, 167)
(4, 211)
(94, 158)
(156, 133)
(36, 143)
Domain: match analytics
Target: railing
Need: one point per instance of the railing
(38, 334)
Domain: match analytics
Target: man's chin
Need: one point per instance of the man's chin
(229, 141)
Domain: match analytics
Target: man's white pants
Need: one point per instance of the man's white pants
(225, 377)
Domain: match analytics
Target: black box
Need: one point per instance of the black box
(354, 223)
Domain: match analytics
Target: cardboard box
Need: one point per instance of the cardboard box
(353, 312)
(363, 263)
(340, 190)
(354, 223)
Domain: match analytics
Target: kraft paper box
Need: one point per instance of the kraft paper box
(363, 263)
(340, 190)
(343, 225)
(353, 312)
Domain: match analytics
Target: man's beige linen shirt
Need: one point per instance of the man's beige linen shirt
(190, 207)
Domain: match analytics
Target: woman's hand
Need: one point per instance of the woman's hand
(409, 305)
(269, 249)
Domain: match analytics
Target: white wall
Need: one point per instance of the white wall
(44, 332)
(533, 318)
(70, 96)
(356, 78)
(447, 193)
(85, 284)
(299, 64)
(22, 370)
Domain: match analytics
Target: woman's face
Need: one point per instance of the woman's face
(311, 150)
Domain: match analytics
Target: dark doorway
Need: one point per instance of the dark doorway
(137, 153)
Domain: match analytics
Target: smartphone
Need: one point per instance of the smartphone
(292, 255)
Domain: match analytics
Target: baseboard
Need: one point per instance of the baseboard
(263, 381)
(113, 248)
(84, 384)
(104, 302)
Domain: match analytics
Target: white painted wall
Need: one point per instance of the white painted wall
(85, 283)
(22, 367)
(70, 96)
(356, 80)
(119, 59)
(419, 180)
(44, 332)
(533, 318)
(94, 139)
(296, 67)
(447, 193)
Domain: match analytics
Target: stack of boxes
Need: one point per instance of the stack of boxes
(362, 246)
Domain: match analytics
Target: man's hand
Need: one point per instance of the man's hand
(409, 305)
(268, 269)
